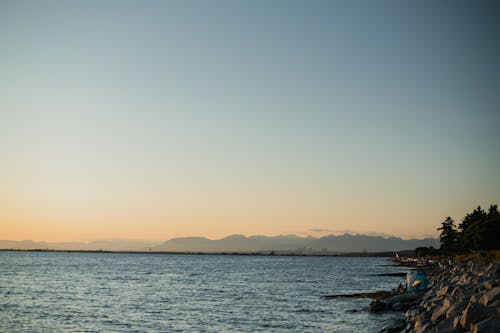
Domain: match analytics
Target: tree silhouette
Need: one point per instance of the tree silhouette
(478, 231)
(449, 236)
(471, 229)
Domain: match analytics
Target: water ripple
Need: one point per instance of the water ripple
(92, 292)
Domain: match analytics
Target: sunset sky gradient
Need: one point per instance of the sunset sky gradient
(157, 119)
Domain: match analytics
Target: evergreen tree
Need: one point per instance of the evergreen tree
(471, 229)
(490, 230)
(493, 212)
(449, 236)
(471, 218)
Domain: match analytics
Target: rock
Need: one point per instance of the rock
(488, 285)
(489, 325)
(456, 308)
(455, 291)
(377, 306)
(456, 324)
(464, 297)
(396, 326)
(439, 314)
(422, 319)
(475, 298)
(447, 302)
(445, 326)
(473, 313)
(465, 279)
(423, 329)
(460, 293)
(444, 290)
(495, 305)
(436, 299)
(398, 306)
(490, 296)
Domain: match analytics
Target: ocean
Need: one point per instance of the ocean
(119, 292)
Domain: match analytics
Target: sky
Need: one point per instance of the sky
(158, 119)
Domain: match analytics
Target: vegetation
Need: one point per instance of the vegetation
(425, 251)
(486, 256)
(479, 230)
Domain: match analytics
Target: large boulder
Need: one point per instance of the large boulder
(488, 325)
(456, 308)
(377, 306)
(439, 313)
(465, 279)
(444, 290)
(489, 284)
(495, 305)
(473, 313)
(421, 319)
(491, 296)
(456, 324)
(445, 326)
(423, 329)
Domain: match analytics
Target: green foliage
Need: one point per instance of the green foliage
(479, 230)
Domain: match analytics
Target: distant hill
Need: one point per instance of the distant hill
(108, 245)
(292, 243)
(240, 243)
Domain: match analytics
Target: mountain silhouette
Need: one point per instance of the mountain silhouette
(239, 243)
(331, 243)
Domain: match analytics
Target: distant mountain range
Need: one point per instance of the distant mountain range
(240, 243)
(292, 243)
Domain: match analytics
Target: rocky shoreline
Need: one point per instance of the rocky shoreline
(464, 297)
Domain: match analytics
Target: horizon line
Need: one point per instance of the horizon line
(138, 240)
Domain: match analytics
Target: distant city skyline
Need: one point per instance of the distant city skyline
(159, 119)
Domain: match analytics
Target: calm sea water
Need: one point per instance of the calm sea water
(105, 292)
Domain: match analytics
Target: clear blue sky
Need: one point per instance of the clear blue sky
(155, 119)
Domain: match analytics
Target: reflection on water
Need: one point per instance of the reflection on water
(48, 291)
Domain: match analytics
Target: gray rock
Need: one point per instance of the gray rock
(456, 324)
(444, 290)
(423, 329)
(465, 279)
(489, 325)
(445, 326)
(438, 300)
(421, 319)
(439, 314)
(473, 313)
(491, 296)
(447, 302)
(397, 325)
(455, 291)
(456, 308)
(495, 305)
(398, 306)
(377, 306)
(475, 297)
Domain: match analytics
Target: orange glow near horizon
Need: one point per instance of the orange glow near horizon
(58, 209)
(216, 218)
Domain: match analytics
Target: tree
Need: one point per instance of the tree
(493, 212)
(471, 229)
(490, 230)
(449, 236)
(471, 218)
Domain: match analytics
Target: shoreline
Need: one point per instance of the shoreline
(464, 297)
(229, 253)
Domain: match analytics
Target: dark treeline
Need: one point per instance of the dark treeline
(479, 230)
